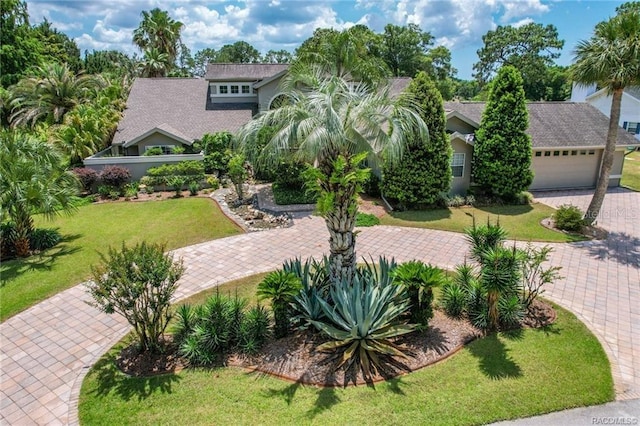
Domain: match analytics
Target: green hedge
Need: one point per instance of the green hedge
(191, 171)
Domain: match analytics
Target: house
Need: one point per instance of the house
(601, 99)
(567, 138)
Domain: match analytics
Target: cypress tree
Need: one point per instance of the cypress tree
(502, 150)
(425, 170)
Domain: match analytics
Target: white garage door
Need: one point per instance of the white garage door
(565, 169)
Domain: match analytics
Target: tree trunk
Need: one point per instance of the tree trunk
(607, 160)
(342, 242)
(24, 228)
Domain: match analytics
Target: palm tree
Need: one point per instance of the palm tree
(50, 93)
(334, 126)
(155, 63)
(32, 179)
(158, 30)
(611, 58)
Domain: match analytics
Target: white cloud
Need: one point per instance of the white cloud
(522, 22)
(517, 9)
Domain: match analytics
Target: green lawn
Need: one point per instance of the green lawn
(631, 171)
(498, 377)
(521, 222)
(92, 229)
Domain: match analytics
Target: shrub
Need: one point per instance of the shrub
(108, 192)
(315, 283)
(213, 182)
(192, 170)
(156, 150)
(289, 174)
(364, 219)
(115, 176)
(419, 279)
(534, 275)
(131, 190)
(237, 173)
(176, 182)
(371, 186)
(194, 187)
(87, 177)
(284, 195)
(569, 218)
(178, 149)
(453, 299)
(362, 319)
(222, 324)
(456, 201)
(484, 237)
(137, 283)
(217, 152)
(281, 287)
(44, 238)
(524, 198)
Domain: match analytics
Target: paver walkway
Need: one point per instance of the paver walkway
(47, 350)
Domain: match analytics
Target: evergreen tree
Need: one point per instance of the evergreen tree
(425, 170)
(502, 151)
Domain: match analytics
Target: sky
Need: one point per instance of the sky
(281, 24)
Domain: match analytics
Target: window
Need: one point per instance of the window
(166, 149)
(547, 153)
(214, 89)
(574, 152)
(538, 153)
(583, 152)
(565, 153)
(556, 153)
(592, 152)
(457, 164)
(246, 89)
(234, 89)
(224, 90)
(632, 127)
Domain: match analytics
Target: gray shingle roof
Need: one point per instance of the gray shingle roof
(398, 85)
(633, 91)
(174, 103)
(242, 72)
(557, 124)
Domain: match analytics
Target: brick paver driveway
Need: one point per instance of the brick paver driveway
(47, 349)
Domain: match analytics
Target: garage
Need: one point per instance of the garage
(568, 168)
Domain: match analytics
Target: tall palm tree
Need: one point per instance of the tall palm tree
(155, 63)
(158, 30)
(610, 58)
(334, 125)
(32, 179)
(50, 93)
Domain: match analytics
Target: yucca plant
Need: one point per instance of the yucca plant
(484, 237)
(281, 287)
(254, 329)
(419, 280)
(364, 318)
(500, 277)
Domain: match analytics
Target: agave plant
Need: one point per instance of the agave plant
(364, 318)
(281, 287)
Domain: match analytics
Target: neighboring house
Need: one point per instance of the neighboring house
(601, 99)
(567, 138)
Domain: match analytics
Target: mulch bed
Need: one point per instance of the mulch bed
(591, 232)
(295, 358)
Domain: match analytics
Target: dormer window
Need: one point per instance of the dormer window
(224, 89)
(229, 89)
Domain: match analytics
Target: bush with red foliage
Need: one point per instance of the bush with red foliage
(115, 176)
(86, 176)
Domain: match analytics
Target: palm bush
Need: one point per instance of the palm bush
(500, 278)
(222, 324)
(419, 280)
(362, 320)
(484, 237)
(281, 287)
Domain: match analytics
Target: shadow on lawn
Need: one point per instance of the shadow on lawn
(38, 262)
(111, 379)
(495, 362)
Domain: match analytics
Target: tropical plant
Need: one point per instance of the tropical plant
(419, 279)
(610, 58)
(500, 278)
(51, 92)
(176, 182)
(32, 179)
(159, 32)
(154, 63)
(334, 125)
(361, 320)
(137, 283)
(281, 287)
(483, 238)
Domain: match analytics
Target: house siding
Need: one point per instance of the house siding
(629, 108)
(460, 185)
(267, 92)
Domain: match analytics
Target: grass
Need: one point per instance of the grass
(365, 219)
(631, 171)
(95, 227)
(283, 195)
(499, 377)
(521, 222)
